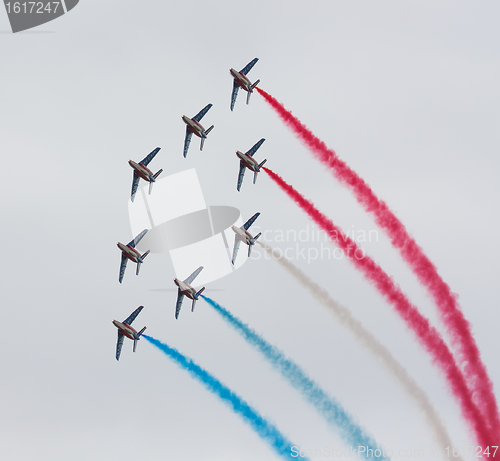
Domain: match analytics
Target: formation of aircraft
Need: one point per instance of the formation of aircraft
(129, 252)
(193, 125)
(185, 289)
(241, 81)
(141, 170)
(242, 235)
(125, 329)
(247, 161)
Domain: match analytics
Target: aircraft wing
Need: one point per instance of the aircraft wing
(135, 185)
(123, 266)
(137, 239)
(180, 297)
(234, 94)
(242, 173)
(255, 148)
(248, 67)
(247, 225)
(187, 141)
(150, 157)
(133, 315)
(194, 275)
(236, 248)
(202, 112)
(119, 345)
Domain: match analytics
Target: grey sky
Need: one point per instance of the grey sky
(406, 92)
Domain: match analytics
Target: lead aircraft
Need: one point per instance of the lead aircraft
(242, 235)
(241, 81)
(194, 126)
(141, 170)
(247, 161)
(129, 252)
(185, 289)
(124, 329)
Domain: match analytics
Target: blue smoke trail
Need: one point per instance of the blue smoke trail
(266, 430)
(328, 407)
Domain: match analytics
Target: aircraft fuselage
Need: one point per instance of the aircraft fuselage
(249, 161)
(241, 79)
(141, 170)
(126, 329)
(185, 288)
(130, 253)
(194, 126)
(242, 234)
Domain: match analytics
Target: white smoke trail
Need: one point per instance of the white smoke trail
(343, 315)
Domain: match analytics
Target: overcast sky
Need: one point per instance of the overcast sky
(406, 93)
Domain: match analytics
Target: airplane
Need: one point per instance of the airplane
(241, 80)
(242, 235)
(194, 126)
(124, 329)
(186, 289)
(141, 170)
(129, 252)
(247, 161)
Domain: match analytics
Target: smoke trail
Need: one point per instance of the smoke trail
(344, 317)
(328, 407)
(266, 430)
(456, 324)
(427, 334)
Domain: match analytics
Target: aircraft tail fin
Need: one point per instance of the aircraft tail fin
(140, 261)
(251, 90)
(257, 170)
(252, 243)
(204, 136)
(152, 179)
(195, 298)
(137, 337)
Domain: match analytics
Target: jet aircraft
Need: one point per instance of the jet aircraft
(242, 235)
(129, 252)
(241, 81)
(141, 170)
(247, 161)
(124, 329)
(194, 126)
(185, 289)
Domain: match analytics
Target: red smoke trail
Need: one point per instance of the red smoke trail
(427, 335)
(458, 327)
